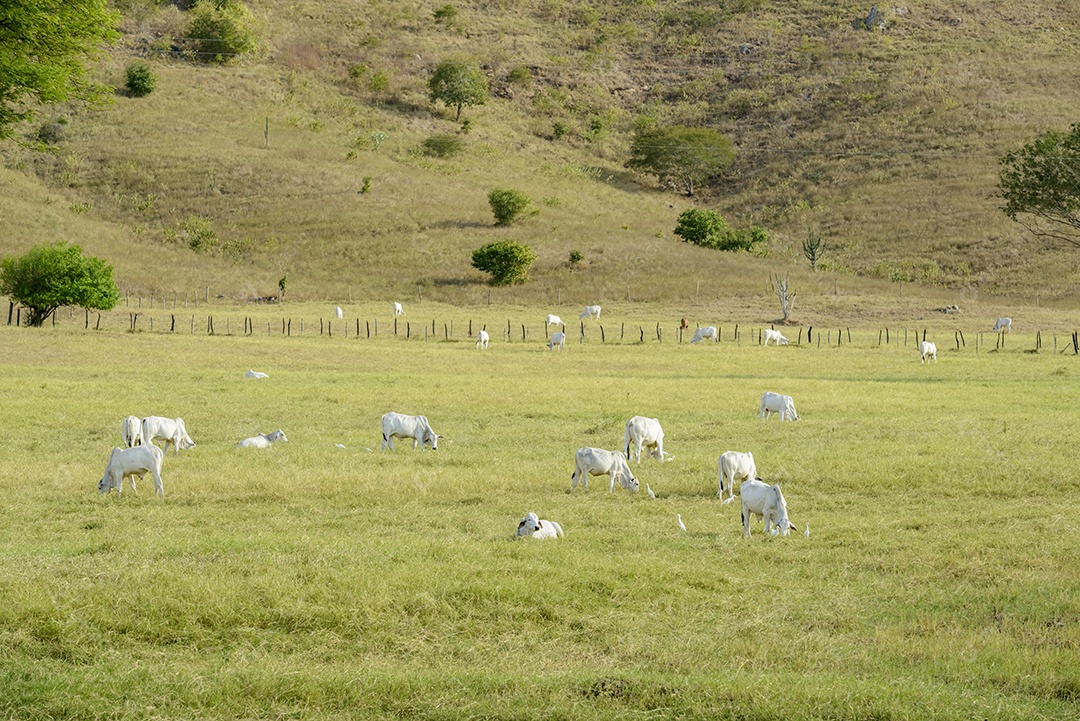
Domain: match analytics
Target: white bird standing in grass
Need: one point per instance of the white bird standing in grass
(649, 490)
(807, 531)
(678, 517)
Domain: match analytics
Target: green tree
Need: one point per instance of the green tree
(458, 84)
(509, 206)
(685, 156)
(708, 229)
(507, 262)
(45, 46)
(140, 80)
(1040, 184)
(51, 276)
(222, 31)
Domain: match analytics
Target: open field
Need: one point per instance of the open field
(308, 581)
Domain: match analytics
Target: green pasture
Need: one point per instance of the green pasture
(307, 581)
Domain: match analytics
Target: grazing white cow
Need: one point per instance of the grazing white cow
(642, 431)
(532, 526)
(597, 462)
(482, 339)
(338, 313)
(398, 310)
(554, 320)
(776, 403)
(558, 340)
(172, 430)
(775, 336)
(397, 425)
(131, 431)
(263, 440)
(591, 311)
(1004, 324)
(927, 350)
(734, 466)
(767, 503)
(130, 462)
(705, 333)
(255, 374)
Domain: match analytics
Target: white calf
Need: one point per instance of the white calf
(554, 320)
(1003, 324)
(775, 336)
(705, 333)
(482, 339)
(338, 313)
(558, 340)
(396, 425)
(642, 431)
(131, 431)
(130, 462)
(263, 440)
(776, 403)
(398, 310)
(767, 503)
(255, 374)
(591, 311)
(533, 527)
(927, 350)
(735, 466)
(171, 430)
(597, 462)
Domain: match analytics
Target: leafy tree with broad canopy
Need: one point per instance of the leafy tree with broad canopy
(685, 156)
(459, 84)
(507, 261)
(44, 48)
(1040, 184)
(51, 276)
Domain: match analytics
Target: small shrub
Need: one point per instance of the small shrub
(559, 129)
(442, 146)
(519, 75)
(220, 32)
(510, 206)
(52, 133)
(507, 261)
(575, 258)
(445, 15)
(358, 71)
(194, 232)
(140, 80)
(708, 229)
(379, 81)
(366, 186)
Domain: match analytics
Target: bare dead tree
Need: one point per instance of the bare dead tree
(784, 294)
(813, 248)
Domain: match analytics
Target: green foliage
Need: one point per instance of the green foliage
(1040, 184)
(575, 258)
(221, 32)
(813, 248)
(510, 206)
(44, 50)
(379, 81)
(445, 15)
(195, 232)
(458, 84)
(685, 156)
(520, 75)
(708, 229)
(442, 146)
(559, 129)
(365, 186)
(507, 262)
(48, 277)
(140, 80)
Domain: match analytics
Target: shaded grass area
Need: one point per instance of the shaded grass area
(319, 582)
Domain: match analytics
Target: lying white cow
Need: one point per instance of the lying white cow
(705, 333)
(597, 462)
(558, 340)
(255, 374)
(927, 350)
(338, 313)
(591, 311)
(776, 403)
(554, 320)
(1003, 324)
(734, 466)
(532, 527)
(130, 462)
(482, 339)
(767, 503)
(131, 431)
(263, 440)
(398, 310)
(397, 425)
(172, 430)
(775, 336)
(642, 431)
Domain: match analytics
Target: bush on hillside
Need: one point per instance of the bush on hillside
(140, 80)
(221, 32)
(510, 206)
(708, 229)
(442, 146)
(507, 261)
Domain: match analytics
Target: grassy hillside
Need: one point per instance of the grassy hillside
(886, 142)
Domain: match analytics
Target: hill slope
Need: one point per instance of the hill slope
(887, 142)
